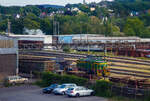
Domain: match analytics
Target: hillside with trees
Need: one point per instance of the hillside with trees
(116, 18)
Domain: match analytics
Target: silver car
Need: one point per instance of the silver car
(63, 88)
(79, 91)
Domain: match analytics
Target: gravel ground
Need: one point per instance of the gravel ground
(33, 93)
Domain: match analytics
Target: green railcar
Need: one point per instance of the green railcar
(94, 66)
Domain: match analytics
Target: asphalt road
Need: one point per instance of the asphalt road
(33, 93)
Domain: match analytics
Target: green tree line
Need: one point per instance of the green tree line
(100, 21)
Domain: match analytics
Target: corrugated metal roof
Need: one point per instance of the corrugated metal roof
(44, 38)
(145, 40)
(6, 37)
(108, 38)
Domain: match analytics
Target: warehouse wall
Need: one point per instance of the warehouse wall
(8, 64)
(28, 65)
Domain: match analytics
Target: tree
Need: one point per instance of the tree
(31, 21)
(66, 49)
(146, 19)
(135, 27)
(3, 25)
(30, 9)
(46, 26)
(31, 24)
(116, 31)
(17, 26)
(84, 8)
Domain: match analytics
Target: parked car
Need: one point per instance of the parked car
(63, 88)
(79, 91)
(148, 56)
(50, 88)
(16, 79)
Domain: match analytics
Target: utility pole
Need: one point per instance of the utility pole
(53, 27)
(88, 41)
(105, 50)
(9, 28)
(58, 28)
(80, 34)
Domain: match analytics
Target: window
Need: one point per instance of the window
(77, 89)
(83, 88)
(71, 89)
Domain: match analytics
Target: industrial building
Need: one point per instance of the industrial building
(8, 56)
(97, 39)
(127, 46)
(33, 41)
(69, 39)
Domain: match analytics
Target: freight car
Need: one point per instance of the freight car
(94, 66)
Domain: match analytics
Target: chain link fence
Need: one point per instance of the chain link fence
(134, 93)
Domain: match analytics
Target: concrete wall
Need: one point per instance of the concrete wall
(8, 64)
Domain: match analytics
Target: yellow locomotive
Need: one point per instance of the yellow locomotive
(93, 66)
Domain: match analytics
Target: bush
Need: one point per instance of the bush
(147, 98)
(7, 84)
(103, 88)
(66, 49)
(51, 78)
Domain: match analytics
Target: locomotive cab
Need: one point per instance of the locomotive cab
(95, 66)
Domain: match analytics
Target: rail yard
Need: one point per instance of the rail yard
(79, 49)
(119, 66)
(126, 70)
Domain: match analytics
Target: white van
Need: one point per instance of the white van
(16, 79)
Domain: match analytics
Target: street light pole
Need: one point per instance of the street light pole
(88, 41)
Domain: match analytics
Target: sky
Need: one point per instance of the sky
(32, 2)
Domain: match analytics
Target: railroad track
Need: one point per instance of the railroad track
(130, 74)
(133, 59)
(129, 62)
(133, 67)
(60, 54)
(130, 71)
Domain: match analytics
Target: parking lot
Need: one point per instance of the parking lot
(34, 93)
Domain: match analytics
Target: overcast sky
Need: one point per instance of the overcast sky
(27, 2)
